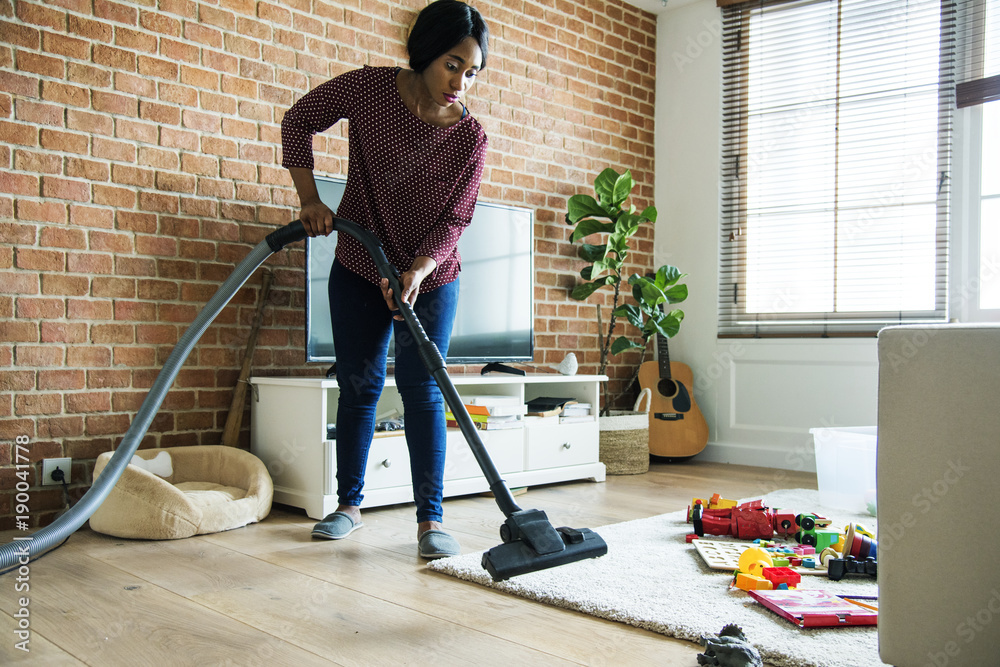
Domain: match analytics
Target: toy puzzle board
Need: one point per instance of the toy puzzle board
(720, 555)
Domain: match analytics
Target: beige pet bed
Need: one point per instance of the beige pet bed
(183, 491)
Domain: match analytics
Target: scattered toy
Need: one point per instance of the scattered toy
(838, 568)
(729, 649)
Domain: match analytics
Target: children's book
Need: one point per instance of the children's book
(819, 609)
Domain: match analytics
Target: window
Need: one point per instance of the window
(977, 288)
(836, 165)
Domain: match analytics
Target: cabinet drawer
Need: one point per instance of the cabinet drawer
(388, 463)
(561, 445)
(505, 447)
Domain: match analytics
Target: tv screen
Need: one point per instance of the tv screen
(495, 318)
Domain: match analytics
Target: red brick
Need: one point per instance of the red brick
(220, 62)
(88, 356)
(118, 59)
(89, 309)
(113, 287)
(61, 188)
(135, 266)
(89, 216)
(106, 424)
(128, 175)
(114, 196)
(43, 16)
(63, 45)
(19, 35)
(19, 332)
(18, 133)
(19, 184)
(91, 401)
(65, 285)
(34, 259)
(111, 149)
(64, 332)
(90, 170)
(121, 105)
(62, 237)
(18, 283)
(91, 123)
(40, 308)
(157, 67)
(64, 93)
(135, 357)
(183, 96)
(60, 427)
(97, 31)
(181, 139)
(39, 113)
(109, 378)
(41, 64)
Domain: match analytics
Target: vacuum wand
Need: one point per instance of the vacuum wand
(530, 541)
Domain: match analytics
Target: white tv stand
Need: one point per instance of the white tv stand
(289, 434)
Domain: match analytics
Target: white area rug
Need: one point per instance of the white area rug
(651, 578)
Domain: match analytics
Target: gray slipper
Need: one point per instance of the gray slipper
(336, 526)
(438, 544)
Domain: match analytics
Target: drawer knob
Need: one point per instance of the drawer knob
(567, 445)
(387, 463)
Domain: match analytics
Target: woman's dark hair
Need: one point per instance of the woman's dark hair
(439, 27)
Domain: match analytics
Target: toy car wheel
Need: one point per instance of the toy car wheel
(808, 540)
(785, 525)
(806, 522)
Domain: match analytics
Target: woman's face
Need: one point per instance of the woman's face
(451, 75)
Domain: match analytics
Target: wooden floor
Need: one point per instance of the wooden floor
(268, 594)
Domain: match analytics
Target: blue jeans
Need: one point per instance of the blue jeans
(361, 327)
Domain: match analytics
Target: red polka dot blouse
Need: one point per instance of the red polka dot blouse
(413, 184)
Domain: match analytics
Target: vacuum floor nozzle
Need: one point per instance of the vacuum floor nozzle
(532, 544)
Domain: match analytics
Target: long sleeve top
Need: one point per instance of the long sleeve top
(413, 184)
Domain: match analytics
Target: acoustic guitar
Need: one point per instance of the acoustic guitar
(677, 428)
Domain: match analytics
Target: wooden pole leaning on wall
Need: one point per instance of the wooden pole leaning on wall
(234, 421)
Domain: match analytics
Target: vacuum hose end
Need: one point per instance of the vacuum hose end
(290, 233)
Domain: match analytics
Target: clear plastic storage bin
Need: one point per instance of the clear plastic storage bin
(845, 467)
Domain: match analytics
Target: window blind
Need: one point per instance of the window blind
(979, 65)
(836, 153)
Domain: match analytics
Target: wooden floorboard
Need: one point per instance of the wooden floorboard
(269, 594)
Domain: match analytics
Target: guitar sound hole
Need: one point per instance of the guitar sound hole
(667, 388)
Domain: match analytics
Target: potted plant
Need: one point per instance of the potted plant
(608, 216)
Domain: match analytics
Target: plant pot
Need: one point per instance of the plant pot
(624, 443)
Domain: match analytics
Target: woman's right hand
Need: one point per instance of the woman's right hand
(316, 218)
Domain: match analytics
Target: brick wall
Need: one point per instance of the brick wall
(140, 155)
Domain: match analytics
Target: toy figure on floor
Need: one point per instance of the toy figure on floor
(416, 158)
(729, 649)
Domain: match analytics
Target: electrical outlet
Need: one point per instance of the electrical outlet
(50, 465)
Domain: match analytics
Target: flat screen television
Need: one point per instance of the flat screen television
(495, 318)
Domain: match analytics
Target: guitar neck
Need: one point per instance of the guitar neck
(663, 356)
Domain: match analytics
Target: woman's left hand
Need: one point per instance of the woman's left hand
(410, 283)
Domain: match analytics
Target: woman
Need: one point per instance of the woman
(415, 160)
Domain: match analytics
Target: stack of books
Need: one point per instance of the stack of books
(491, 413)
(576, 412)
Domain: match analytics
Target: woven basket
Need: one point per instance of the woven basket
(624, 448)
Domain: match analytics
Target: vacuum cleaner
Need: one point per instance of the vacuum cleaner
(530, 542)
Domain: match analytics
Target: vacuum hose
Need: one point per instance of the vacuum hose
(24, 549)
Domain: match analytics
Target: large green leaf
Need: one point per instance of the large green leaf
(649, 214)
(621, 344)
(580, 206)
(622, 188)
(604, 186)
(676, 294)
(627, 224)
(646, 291)
(590, 226)
(592, 253)
(631, 313)
(667, 275)
(584, 290)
